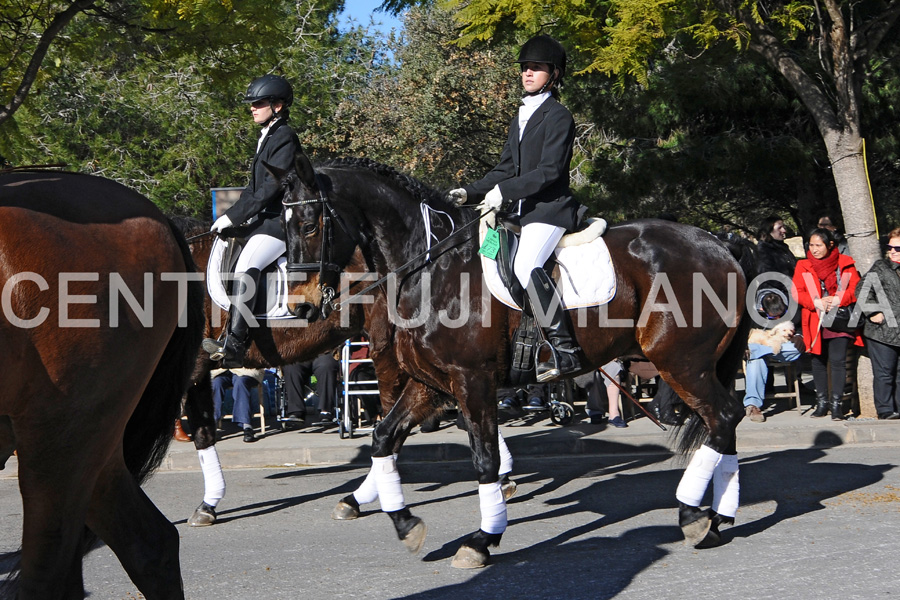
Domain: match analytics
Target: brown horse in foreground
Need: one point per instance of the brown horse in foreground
(96, 360)
(450, 336)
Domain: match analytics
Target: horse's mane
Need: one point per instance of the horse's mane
(416, 188)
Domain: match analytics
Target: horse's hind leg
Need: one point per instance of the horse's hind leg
(143, 539)
(7, 440)
(715, 460)
(479, 408)
(54, 499)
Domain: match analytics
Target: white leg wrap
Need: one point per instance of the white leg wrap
(697, 475)
(506, 459)
(726, 486)
(213, 479)
(367, 491)
(387, 481)
(493, 508)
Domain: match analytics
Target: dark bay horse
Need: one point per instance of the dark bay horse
(284, 342)
(272, 344)
(679, 303)
(100, 330)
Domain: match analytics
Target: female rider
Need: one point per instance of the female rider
(532, 179)
(260, 204)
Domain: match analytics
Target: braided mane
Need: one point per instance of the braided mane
(416, 188)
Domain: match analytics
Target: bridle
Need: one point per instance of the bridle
(326, 264)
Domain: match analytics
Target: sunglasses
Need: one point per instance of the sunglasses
(260, 104)
(893, 248)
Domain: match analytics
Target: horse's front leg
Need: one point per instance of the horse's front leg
(383, 480)
(479, 408)
(199, 409)
(715, 460)
(383, 444)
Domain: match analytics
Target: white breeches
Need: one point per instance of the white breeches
(536, 243)
(259, 252)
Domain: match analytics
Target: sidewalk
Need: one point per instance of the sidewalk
(529, 436)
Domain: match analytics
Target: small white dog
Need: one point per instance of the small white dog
(773, 338)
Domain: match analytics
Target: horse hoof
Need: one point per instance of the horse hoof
(695, 532)
(344, 512)
(469, 558)
(416, 537)
(509, 489)
(710, 540)
(204, 515)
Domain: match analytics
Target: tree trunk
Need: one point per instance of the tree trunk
(848, 168)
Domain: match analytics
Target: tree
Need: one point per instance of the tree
(169, 122)
(825, 52)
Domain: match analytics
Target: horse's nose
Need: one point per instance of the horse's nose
(306, 310)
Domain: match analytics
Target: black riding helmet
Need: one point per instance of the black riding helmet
(544, 49)
(270, 87)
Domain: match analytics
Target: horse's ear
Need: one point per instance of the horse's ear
(277, 173)
(304, 169)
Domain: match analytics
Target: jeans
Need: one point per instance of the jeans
(886, 376)
(240, 393)
(758, 369)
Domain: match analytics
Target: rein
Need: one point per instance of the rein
(409, 263)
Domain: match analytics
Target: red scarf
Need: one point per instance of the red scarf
(826, 269)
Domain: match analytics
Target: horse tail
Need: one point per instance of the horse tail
(149, 430)
(694, 432)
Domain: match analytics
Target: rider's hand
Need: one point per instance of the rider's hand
(221, 223)
(492, 200)
(457, 196)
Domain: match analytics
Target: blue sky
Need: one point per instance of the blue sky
(360, 11)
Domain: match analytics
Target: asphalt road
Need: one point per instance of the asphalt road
(813, 524)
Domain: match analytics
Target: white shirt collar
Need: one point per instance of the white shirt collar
(530, 104)
(535, 101)
(264, 133)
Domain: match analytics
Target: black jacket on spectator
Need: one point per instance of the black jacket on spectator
(889, 273)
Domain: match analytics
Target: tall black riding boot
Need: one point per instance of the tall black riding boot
(231, 350)
(821, 404)
(551, 316)
(837, 406)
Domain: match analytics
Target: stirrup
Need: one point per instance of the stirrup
(214, 348)
(552, 369)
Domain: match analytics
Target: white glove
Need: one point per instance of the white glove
(221, 223)
(492, 200)
(457, 196)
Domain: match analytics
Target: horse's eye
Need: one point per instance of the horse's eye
(309, 229)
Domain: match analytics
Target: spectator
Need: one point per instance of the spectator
(826, 222)
(825, 280)
(666, 404)
(774, 257)
(296, 378)
(242, 381)
(325, 368)
(881, 330)
(596, 397)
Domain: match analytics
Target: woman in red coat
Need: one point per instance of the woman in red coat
(824, 280)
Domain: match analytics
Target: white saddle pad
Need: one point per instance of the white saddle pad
(587, 277)
(216, 285)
